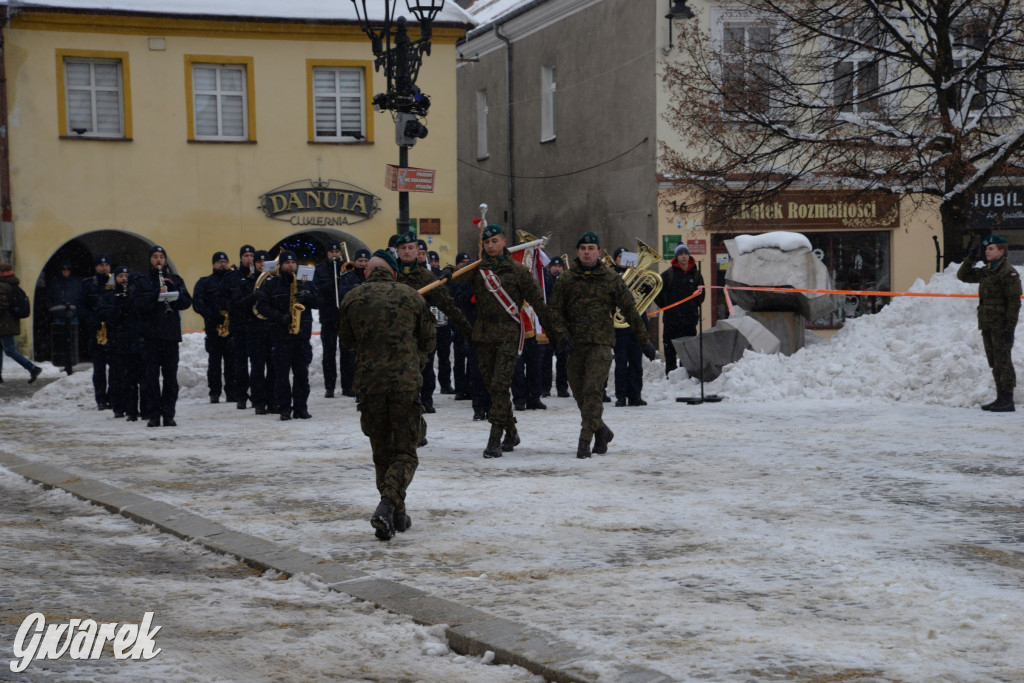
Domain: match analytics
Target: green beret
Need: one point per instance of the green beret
(589, 238)
(406, 238)
(491, 230)
(386, 255)
(993, 239)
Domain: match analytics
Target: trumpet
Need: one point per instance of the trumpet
(642, 283)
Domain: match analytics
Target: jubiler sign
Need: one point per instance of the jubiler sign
(803, 210)
(997, 207)
(319, 203)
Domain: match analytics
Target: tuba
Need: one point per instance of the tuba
(295, 308)
(643, 284)
(259, 283)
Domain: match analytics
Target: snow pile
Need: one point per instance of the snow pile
(781, 240)
(925, 350)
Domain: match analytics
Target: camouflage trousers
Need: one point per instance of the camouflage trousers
(587, 368)
(497, 363)
(997, 351)
(394, 423)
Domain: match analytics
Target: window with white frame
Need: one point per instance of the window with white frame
(94, 97)
(969, 40)
(547, 103)
(482, 150)
(339, 109)
(745, 51)
(855, 74)
(220, 102)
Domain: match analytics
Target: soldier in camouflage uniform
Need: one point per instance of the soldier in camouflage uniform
(498, 331)
(391, 330)
(417, 275)
(584, 300)
(999, 292)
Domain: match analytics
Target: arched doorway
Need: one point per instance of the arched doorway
(311, 247)
(124, 248)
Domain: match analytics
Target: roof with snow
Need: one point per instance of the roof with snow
(486, 11)
(327, 10)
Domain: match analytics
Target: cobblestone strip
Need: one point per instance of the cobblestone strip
(469, 630)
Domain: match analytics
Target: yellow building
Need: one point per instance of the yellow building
(250, 124)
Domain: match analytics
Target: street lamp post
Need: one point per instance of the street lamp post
(401, 58)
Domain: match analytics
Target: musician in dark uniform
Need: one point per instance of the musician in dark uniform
(238, 321)
(124, 342)
(327, 280)
(346, 357)
(160, 326)
(444, 335)
(212, 300)
(93, 289)
(257, 340)
(277, 302)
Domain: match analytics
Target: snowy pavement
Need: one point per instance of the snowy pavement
(845, 514)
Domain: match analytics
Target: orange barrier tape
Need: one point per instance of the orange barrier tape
(198, 331)
(790, 290)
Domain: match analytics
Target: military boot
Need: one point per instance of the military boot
(602, 438)
(493, 449)
(583, 450)
(383, 519)
(511, 439)
(988, 406)
(402, 522)
(1004, 403)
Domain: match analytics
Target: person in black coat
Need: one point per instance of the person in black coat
(347, 357)
(678, 282)
(327, 280)
(125, 345)
(257, 340)
(460, 369)
(97, 335)
(65, 292)
(238, 319)
(465, 300)
(290, 348)
(160, 325)
(629, 370)
(211, 299)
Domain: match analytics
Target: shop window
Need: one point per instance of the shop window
(93, 95)
(338, 101)
(745, 76)
(220, 99)
(855, 261)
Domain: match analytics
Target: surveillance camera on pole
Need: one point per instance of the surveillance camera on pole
(408, 129)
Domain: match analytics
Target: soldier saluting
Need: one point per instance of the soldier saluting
(391, 330)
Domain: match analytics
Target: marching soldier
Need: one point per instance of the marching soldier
(500, 286)
(414, 273)
(160, 324)
(999, 293)
(391, 330)
(212, 300)
(238, 320)
(585, 298)
(93, 289)
(291, 327)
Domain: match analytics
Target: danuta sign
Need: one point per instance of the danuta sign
(82, 639)
(803, 210)
(319, 203)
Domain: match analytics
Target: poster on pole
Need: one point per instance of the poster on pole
(409, 179)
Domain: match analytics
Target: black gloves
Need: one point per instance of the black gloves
(302, 296)
(565, 344)
(446, 273)
(649, 351)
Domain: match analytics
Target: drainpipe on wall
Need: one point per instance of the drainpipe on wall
(510, 152)
(6, 216)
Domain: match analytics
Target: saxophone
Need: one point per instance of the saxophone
(223, 328)
(101, 335)
(294, 307)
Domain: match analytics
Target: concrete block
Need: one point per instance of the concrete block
(788, 326)
(432, 610)
(382, 593)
